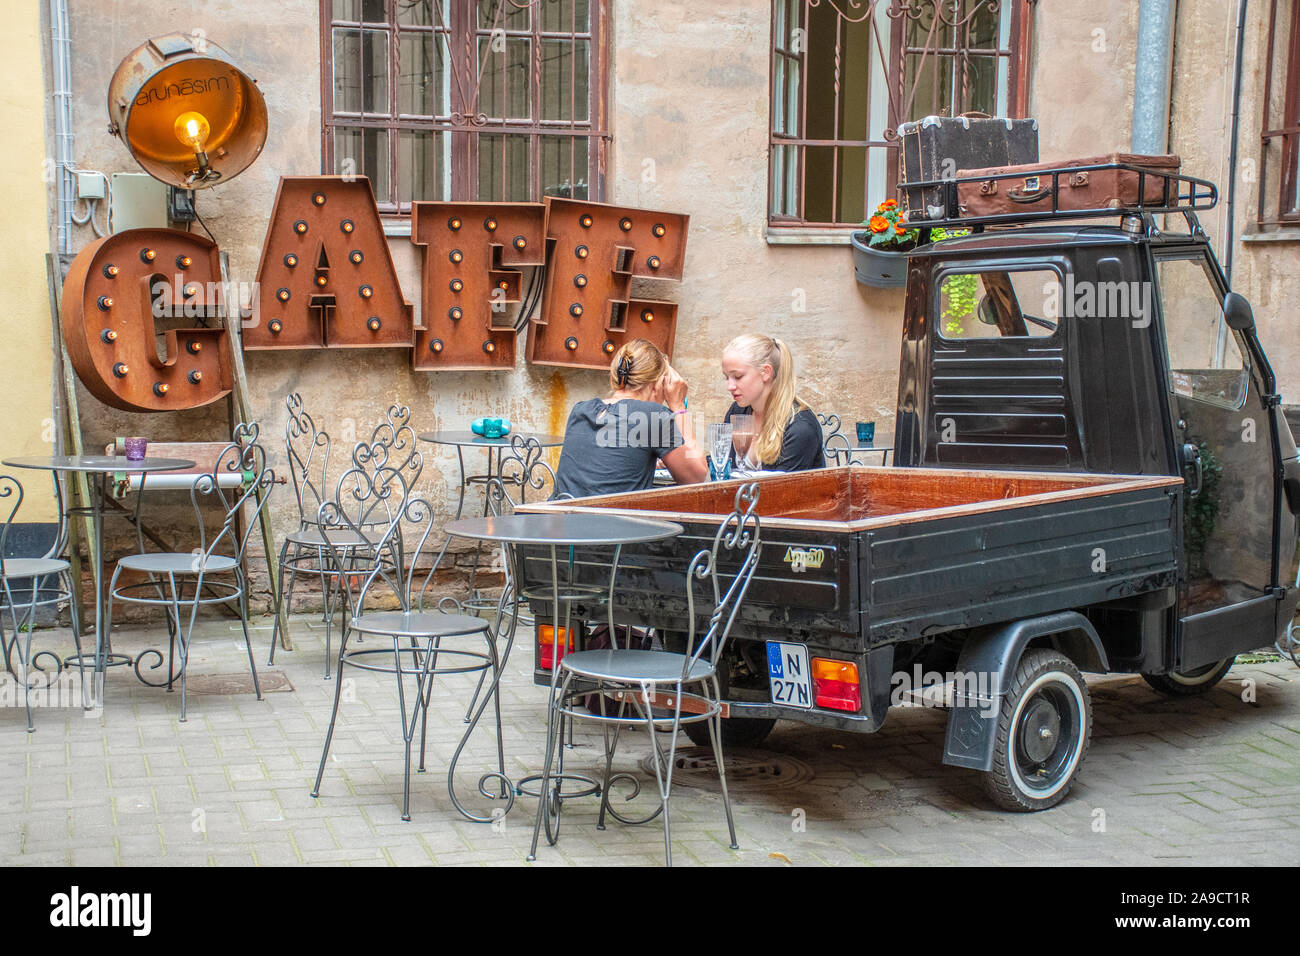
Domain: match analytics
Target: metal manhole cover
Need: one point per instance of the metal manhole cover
(748, 771)
(225, 685)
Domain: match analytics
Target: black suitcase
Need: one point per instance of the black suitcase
(937, 146)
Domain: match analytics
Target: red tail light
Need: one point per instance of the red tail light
(546, 645)
(835, 684)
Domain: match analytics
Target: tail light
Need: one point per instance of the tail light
(546, 656)
(835, 684)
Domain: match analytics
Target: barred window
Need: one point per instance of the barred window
(488, 100)
(846, 73)
(1279, 179)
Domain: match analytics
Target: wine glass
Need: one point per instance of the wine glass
(720, 447)
(742, 436)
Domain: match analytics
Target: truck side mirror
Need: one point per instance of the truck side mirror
(1237, 312)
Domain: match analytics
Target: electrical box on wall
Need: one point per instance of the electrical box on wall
(138, 201)
(90, 185)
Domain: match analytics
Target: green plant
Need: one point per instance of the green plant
(1200, 512)
(962, 290)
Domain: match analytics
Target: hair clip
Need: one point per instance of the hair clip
(624, 370)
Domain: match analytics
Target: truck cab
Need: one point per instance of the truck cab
(1116, 348)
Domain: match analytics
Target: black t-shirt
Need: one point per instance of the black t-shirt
(612, 447)
(801, 445)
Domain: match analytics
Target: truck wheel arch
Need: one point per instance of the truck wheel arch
(972, 722)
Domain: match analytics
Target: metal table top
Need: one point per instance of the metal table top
(469, 439)
(558, 529)
(98, 463)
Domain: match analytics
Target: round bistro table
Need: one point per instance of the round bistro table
(461, 440)
(101, 467)
(552, 531)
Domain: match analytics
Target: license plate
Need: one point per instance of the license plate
(789, 675)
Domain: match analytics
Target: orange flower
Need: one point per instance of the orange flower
(889, 204)
(899, 229)
(879, 223)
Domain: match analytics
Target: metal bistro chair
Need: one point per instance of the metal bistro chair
(29, 583)
(388, 441)
(364, 491)
(204, 576)
(524, 467)
(835, 444)
(307, 450)
(635, 675)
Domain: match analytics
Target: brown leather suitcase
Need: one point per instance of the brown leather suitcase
(1031, 189)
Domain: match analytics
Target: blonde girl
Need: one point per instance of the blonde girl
(760, 377)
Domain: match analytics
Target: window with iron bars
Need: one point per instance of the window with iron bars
(1279, 174)
(846, 73)
(483, 100)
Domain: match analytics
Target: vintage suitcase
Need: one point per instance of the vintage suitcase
(937, 146)
(1031, 189)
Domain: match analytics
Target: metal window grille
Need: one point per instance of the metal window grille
(846, 73)
(1280, 139)
(494, 100)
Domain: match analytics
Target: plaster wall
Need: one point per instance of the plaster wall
(25, 330)
(689, 120)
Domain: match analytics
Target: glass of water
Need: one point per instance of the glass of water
(719, 447)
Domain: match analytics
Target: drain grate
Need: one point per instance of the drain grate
(226, 685)
(748, 771)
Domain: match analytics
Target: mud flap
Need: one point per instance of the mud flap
(985, 669)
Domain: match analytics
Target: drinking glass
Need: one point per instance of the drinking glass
(720, 447)
(742, 436)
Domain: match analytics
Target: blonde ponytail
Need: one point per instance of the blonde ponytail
(782, 403)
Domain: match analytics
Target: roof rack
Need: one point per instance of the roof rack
(1158, 193)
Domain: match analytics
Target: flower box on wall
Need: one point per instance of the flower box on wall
(881, 268)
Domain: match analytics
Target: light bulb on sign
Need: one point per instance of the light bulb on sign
(192, 129)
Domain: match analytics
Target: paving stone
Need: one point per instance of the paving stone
(1208, 780)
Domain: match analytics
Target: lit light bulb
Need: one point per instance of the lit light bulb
(192, 129)
(435, 345)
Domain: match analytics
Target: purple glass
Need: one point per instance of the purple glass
(135, 448)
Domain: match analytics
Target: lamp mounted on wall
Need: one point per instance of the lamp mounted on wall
(188, 114)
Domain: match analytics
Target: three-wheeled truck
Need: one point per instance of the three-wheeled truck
(1091, 472)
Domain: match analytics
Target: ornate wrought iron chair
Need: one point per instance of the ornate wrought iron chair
(634, 676)
(30, 583)
(835, 444)
(211, 573)
(307, 450)
(417, 634)
(391, 440)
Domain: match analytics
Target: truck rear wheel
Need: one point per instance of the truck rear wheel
(736, 731)
(1044, 728)
(1192, 682)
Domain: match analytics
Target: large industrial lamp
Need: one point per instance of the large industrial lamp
(186, 112)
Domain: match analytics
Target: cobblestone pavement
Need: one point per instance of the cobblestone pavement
(1213, 780)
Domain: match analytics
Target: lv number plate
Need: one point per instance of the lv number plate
(789, 674)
